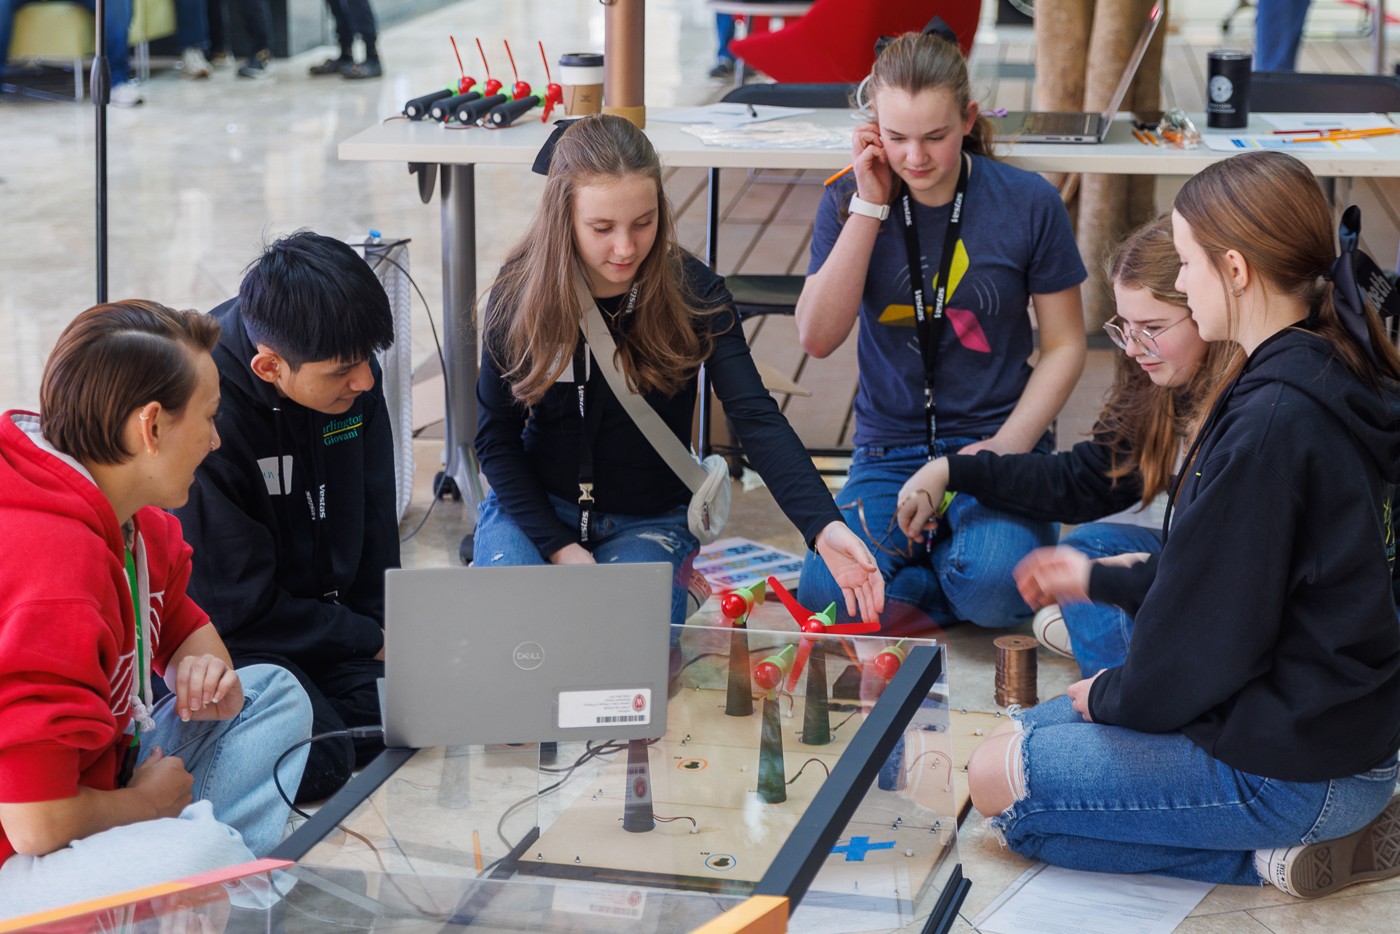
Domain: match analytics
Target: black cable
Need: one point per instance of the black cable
(355, 732)
(803, 768)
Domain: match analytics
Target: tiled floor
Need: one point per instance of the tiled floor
(205, 172)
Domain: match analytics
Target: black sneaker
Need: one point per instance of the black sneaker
(724, 68)
(366, 69)
(331, 66)
(256, 65)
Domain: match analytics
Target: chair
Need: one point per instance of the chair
(835, 40)
(756, 295)
(57, 30)
(1296, 92)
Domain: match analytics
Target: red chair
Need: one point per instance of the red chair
(835, 40)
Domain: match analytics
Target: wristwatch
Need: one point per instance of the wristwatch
(877, 211)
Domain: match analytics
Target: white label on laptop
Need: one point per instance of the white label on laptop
(620, 707)
(273, 479)
(629, 904)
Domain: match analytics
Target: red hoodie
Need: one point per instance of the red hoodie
(67, 625)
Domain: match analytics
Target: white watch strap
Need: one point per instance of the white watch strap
(861, 206)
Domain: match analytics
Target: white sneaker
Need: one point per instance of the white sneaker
(1050, 631)
(193, 64)
(1317, 869)
(127, 94)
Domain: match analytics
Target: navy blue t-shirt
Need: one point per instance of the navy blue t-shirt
(1016, 241)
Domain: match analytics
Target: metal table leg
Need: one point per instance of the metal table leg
(459, 330)
(712, 260)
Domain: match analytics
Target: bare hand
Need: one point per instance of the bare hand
(874, 180)
(163, 781)
(1079, 695)
(572, 553)
(920, 498)
(854, 569)
(206, 688)
(1053, 575)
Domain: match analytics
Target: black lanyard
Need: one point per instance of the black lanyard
(589, 421)
(930, 325)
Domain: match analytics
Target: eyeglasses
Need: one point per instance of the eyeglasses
(1145, 337)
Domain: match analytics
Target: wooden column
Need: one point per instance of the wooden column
(624, 60)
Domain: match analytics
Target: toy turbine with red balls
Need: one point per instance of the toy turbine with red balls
(888, 661)
(554, 94)
(492, 85)
(813, 624)
(736, 605)
(464, 83)
(769, 673)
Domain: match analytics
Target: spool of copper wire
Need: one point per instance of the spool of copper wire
(1015, 680)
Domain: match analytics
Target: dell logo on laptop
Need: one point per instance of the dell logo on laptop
(527, 656)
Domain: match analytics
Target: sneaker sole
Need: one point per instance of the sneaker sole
(1040, 626)
(1328, 866)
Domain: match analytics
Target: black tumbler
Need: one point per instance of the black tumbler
(1227, 89)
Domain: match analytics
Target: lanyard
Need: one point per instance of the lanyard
(930, 325)
(141, 670)
(589, 420)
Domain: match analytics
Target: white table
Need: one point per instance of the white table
(456, 152)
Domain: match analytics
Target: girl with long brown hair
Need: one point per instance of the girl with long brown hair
(938, 250)
(573, 480)
(1115, 483)
(1250, 734)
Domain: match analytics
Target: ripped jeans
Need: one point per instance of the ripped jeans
(1111, 799)
(616, 537)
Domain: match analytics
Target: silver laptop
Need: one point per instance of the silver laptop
(525, 654)
(1067, 127)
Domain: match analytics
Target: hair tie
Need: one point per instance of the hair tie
(935, 27)
(546, 153)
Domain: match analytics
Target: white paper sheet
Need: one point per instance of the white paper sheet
(1051, 900)
(727, 115)
(1225, 141)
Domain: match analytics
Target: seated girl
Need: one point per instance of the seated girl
(573, 480)
(1250, 733)
(928, 206)
(102, 790)
(1115, 484)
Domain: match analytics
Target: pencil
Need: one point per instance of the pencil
(1335, 129)
(838, 175)
(476, 849)
(1349, 134)
(1141, 137)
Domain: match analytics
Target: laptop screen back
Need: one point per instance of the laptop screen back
(526, 654)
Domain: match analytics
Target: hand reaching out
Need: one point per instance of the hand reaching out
(854, 569)
(1053, 575)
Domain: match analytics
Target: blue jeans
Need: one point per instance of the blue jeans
(966, 575)
(1278, 29)
(192, 24)
(236, 816)
(1110, 799)
(616, 537)
(117, 14)
(1099, 632)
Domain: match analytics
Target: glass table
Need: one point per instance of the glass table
(834, 789)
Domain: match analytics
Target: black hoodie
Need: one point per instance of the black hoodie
(1266, 632)
(299, 575)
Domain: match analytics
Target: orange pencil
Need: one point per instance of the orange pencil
(839, 174)
(476, 849)
(1141, 137)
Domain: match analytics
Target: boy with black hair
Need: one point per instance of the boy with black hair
(293, 520)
